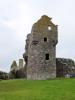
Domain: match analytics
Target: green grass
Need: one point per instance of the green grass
(58, 89)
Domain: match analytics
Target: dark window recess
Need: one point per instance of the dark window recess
(45, 39)
(35, 42)
(47, 56)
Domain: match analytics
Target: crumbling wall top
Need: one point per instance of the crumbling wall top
(43, 23)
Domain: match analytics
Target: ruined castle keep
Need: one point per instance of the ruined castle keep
(40, 55)
(40, 50)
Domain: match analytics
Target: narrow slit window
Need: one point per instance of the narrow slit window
(45, 39)
(47, 56)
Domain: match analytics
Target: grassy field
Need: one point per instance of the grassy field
(59, 89)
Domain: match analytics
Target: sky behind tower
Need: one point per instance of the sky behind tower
(17, 18)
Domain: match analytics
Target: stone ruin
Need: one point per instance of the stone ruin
(40, 53)
(17, 71)
(65, 67)
(4, 75)
(40, 50)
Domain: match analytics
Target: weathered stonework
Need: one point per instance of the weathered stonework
(20, 63)
(65, 67)
(17, 71)
(40, 50)
(40, 55)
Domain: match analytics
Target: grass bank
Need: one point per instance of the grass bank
(58, 89)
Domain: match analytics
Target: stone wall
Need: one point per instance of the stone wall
(17, 71)
(20, 63)
(4, 75)
(65, 66)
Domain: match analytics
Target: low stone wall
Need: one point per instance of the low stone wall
(20, 73)
(64, 67)
(4, 75)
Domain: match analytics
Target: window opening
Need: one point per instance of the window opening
(45, 39)
(47, 56)
(49, 28)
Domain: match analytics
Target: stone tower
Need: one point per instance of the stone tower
(20, 63)
(40, 50)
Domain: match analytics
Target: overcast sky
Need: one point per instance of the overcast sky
(17, 18)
